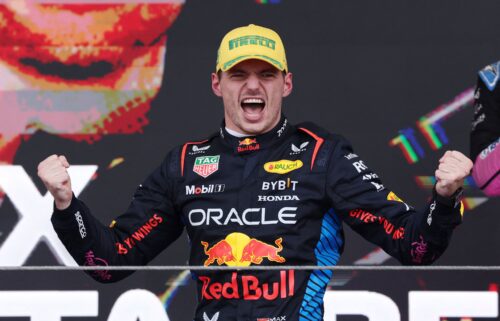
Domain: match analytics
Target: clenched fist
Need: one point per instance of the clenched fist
(453, 168)
(52, 171)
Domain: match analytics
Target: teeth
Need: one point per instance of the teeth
(253, 101)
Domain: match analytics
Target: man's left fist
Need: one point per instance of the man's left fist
(453, 168)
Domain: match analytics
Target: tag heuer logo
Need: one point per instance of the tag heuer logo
(206, 165)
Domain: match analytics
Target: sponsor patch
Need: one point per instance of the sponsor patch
(249, 216)
(81, 226)
(250, 287)
(92, 260)
(489, 149)
(479, 119)
(248, 145)
(419, 250)
(214, 317)
(369, 218)
(378, 186)
(139, 235)
(198, 150)
(477, 108)
(277, 198)
(431, 209)
(393, 197)
(369, 177)
(238, 249)
(301, 148)
(351, 156)
(255, 40)
(280, 318)
(360, 166)
(279, 185)
(206, 165)
(282, 166)
(247, 141)
(283, 127)
(490, 75)
(205, 189)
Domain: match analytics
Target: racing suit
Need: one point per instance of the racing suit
(485, 134)
(276, 199)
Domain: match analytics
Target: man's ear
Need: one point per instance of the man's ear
(288, 86)
(216, 85)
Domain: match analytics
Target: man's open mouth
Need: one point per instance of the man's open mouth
(253, 106)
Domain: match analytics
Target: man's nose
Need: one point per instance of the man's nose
(253, 82)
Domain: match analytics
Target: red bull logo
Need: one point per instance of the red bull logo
(256, 250)
(238, 249)
(248, 141)
(248, 144)
(221, 252)
(252, 288)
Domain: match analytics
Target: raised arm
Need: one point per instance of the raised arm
(148, 226)
(381, 217)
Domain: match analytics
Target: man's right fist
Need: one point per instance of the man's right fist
(52, 171)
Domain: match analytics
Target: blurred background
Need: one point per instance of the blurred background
(115, 85)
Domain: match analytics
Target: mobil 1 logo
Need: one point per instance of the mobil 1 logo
(205, 189)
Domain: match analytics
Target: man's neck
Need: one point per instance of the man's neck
(235, 133)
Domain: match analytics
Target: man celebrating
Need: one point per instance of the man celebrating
(261, 191)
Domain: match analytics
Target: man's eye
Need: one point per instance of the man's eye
(268, 74)
(237, 76)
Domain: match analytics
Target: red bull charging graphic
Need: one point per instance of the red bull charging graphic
(238, 249)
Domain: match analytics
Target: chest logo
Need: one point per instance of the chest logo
(206, 165)
(198, 150)
(214, 317)
(238, 249)
(393, 197)
(248, 145)
(297, 150)
(282, 166)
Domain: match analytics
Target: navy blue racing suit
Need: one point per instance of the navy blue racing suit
(280, 198)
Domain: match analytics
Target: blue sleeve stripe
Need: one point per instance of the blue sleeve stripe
(327, 252)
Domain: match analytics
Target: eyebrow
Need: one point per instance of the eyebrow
(235, 70)
(273, 70)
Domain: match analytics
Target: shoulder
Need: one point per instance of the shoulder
(330, 144)
(489, 75)
(313, 130)
(175, 159)
(319, 133)
(196, 146)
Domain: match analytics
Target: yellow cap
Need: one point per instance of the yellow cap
(251, 42)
